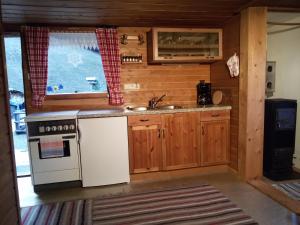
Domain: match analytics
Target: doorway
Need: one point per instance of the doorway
(282, 118)
(284, 54)
(13, 56)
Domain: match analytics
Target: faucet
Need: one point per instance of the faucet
(155, 100)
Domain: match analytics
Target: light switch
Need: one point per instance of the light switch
(132, 86)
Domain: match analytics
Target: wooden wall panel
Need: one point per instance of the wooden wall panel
(221, 80)
(177, 81)
(9, 213)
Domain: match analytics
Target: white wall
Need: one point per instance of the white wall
(284, 48)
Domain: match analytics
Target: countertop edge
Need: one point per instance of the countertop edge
(85, 114)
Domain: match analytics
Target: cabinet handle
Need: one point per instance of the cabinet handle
(163, 133)
(144, 120)
(203, 132)
(69, 137)
(215, 115)
(158, 133)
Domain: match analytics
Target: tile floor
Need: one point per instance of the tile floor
(262, 208)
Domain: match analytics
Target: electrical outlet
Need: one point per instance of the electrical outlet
(132, 86)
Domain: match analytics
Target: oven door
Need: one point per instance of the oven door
(68, 161)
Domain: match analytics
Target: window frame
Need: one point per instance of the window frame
(76, 96)
(65, 96)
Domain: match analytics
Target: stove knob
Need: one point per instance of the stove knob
(59, 128)
(53, 128)
(72, 127)
(41, 129)
(66, 127)
(48, 129)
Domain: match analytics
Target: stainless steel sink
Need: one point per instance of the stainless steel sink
(138, 108)
(162, 107)
(166, 107)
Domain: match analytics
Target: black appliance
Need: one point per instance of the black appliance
(204, 93)
(279, 138)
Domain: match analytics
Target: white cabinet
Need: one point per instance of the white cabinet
(104, 151)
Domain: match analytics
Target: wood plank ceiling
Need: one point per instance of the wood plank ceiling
(176, 13)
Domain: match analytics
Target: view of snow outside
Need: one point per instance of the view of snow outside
(74, 70)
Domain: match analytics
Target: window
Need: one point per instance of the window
(16, 101)
(74, 64)
(14, 62)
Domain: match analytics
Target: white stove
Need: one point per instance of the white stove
(53, 147)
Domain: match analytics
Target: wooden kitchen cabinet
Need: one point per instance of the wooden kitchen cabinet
(180, 144)
(144, 136)
(214, 135)
(178, 140)
(169, 45)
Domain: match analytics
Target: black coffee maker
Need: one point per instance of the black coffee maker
(204, 93)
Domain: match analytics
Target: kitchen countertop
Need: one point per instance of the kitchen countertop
(58, 115)
(125, 112)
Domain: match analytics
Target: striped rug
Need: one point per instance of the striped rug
(62, 213)
(201, 205)
(290, 189)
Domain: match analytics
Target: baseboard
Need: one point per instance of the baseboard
(167, 175)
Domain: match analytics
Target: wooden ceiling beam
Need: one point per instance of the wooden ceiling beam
(116, 11)
(283, 9)
(107, 3)
(126, 15)
(136, 8)
(110, 21)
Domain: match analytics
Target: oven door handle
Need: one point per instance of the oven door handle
(69, 137)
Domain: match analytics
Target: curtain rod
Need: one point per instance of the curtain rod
(72, 29)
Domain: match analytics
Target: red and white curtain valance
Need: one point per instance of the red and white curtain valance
(37, 43)
(109, 49)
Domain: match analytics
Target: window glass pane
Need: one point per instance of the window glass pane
(74, 68)
(17, 105)
(14, 63)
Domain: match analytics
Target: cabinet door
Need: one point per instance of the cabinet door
(145, 148)
(104, 151)
(184, 45)
(214, 142)
(180, 140)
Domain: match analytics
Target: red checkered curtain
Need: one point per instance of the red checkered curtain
(109, 49)
(37, 43)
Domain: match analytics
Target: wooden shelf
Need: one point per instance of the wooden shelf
(183, 47)
(132, 62)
